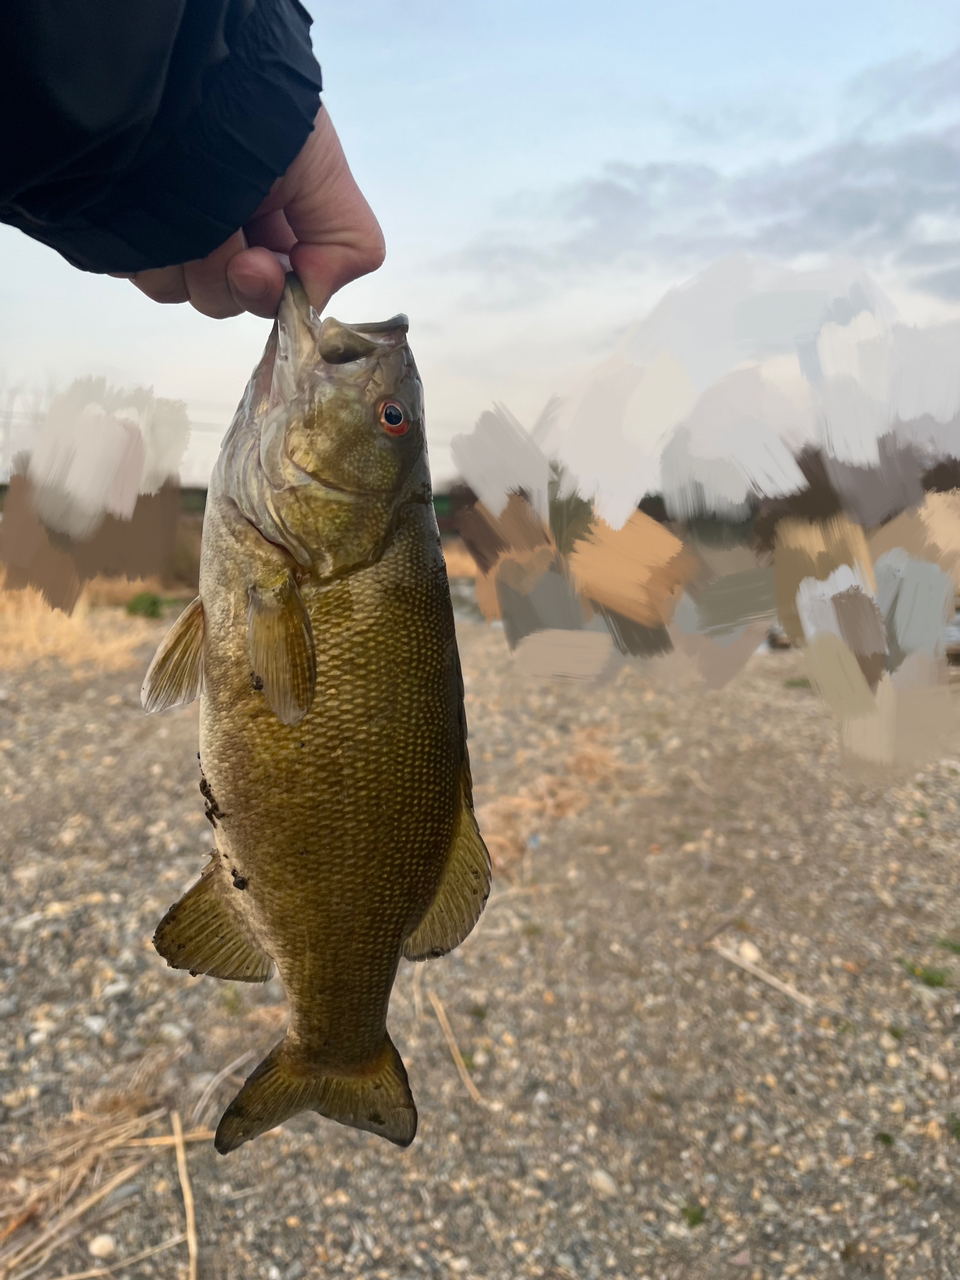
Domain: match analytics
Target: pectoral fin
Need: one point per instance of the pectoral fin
(204, 934)
(175, 676)
(282, 653)
(463, 890)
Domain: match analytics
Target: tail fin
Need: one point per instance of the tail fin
(378, 1099)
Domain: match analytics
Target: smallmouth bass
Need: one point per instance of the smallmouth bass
(333, 739)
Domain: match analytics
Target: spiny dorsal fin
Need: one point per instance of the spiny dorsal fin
(377, 1100)
(175, 676)
(204, 934)
(463, 890)
(282, 653)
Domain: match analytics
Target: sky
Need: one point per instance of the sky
(545, 172)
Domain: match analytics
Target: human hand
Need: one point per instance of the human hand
(315, 215)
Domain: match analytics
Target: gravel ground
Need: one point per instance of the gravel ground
(647, 1107)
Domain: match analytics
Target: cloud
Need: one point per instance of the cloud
(906, 88)
(886, 191)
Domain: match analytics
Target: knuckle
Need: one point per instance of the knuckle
(219, 309)
(166, 292)
(376, 253)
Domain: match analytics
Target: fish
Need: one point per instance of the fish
(333, 735)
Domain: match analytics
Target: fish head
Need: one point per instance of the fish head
(357, 425)
(338, 411)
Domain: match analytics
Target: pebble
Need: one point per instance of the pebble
(102, 1246)
(713, 1087)
(602, 1183)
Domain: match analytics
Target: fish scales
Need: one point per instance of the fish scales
(332, 728)
(377, 732)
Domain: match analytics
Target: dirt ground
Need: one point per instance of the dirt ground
(646, 1100)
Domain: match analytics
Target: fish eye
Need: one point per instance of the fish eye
(393, 419)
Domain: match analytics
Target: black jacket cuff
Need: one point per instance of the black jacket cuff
(189, 191)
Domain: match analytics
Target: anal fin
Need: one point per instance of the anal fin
(377, 1099)
(282, 651)
(175, 676)
(204, 934)
(463, 890)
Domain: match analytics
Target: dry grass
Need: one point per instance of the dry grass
(117, 592)
(98, 638)
(59, 1192)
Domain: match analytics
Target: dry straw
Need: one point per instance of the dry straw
(91, 638)
(63, 1189)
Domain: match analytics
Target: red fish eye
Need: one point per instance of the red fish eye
(393, 419)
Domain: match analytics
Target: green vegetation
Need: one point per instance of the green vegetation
(929, 977)
(146, 605)
(949, 944)
(885, 1139)
(694, 1213)
(232, 1000)
(797, 682)
(570, 517)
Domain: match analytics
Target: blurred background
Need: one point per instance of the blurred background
(709, 1024)
(544, 172)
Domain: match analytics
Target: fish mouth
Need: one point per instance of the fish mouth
(339, 343)
(396, 323)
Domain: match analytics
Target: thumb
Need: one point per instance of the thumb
(338, 238)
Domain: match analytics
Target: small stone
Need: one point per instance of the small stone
(741, 1259)
(887, 1042)
(770, 1206)
(898, 1106)
(939, 1071)
(459, 1265)
(102, 1246)
(893, 1059)
(749, 952)
(602, 1183)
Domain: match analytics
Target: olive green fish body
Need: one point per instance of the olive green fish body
(332, 735)
(338, 828)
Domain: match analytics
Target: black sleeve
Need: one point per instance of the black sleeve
(143, 133)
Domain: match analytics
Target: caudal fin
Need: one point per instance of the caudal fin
(378, 1099)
